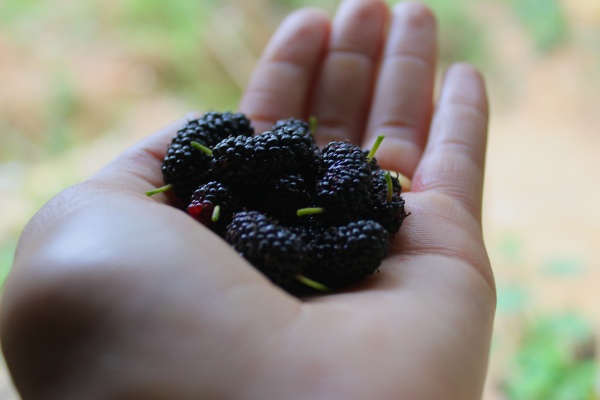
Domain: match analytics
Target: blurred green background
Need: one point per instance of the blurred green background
(80, 81)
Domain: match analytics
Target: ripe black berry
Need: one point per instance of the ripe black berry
(334, 152)
(213, 127)
(186, 167)
(387, 204)
(213, 204)
(346, 254)
(280, 197)
(297, 125)
(245, 160)
(273, 249)
(344, 190)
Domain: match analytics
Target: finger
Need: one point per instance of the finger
(402, 101)
(343, 89)
(454, 159)
(283, 79)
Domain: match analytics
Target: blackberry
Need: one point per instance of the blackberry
(339, 256)
(334, 152)
(344, 190)
(271, 248)
(185, 167)
(387, 206)
(372, 161)
(253, 160)
(213, 204)
(213, 127)
(295, 124)
(280, 197)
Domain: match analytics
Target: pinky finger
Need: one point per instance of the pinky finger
(454, 159)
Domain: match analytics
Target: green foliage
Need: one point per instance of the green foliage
(294, 4)
(63, 106)
(168, 36)
(512, 299)
(555, 361)
(511, 247)
(461, 36)
(11, 10)
(545, 21)
(7, 251)
(564, 267)
(174, 26)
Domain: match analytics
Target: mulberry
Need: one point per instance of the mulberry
(387, 204)
(185, 167)
(273, 249)
(244, 160)
(213, 204)
(342, 255)
(344, 190)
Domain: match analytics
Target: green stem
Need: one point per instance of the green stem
(202, 148)
(312, 124)
(161, 189)
(303, 212)
(390, 186)
(313, 284)
(375, 147)
(216, 213)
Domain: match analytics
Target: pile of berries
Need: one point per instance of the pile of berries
(298, 213)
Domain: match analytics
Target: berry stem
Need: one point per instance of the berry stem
(216, 213)
(303, 212)
(312, 124)
(161, 189)
(375, 147)
(202, 148)
(313, 284)
(390, 186)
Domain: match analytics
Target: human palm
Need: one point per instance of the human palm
(117, 295)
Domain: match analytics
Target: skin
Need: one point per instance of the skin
(115, 295)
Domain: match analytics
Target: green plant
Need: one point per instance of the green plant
(544, 20)
(7, 250)
(555, 361)
(461, 36)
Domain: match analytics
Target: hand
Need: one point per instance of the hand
(117, 295)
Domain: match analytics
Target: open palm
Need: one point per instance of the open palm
(117, 295)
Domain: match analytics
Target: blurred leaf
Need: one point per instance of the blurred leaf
(11, 10)
(460, 35)
(564, 267)
(576, 383)
(551, 363)
(511, 299)
(63, 106)
(7, 251)
(511, 246)
(544, 19)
